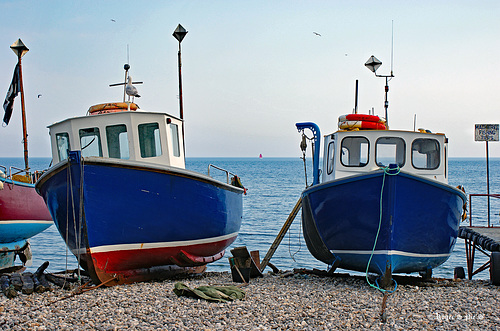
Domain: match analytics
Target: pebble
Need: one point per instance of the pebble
(271, 303)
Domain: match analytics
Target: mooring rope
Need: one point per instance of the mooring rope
(292, 255)
(80, 218)
(375, 285)
(383, 315)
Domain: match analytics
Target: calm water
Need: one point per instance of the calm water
(274, 185)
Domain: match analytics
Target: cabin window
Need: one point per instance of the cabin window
(90, 142)
(117, 138)
(354, 151)
(425, 153)
(62, 141)
(174, 129)
(390, 150)
(330, 157)
(149, 140)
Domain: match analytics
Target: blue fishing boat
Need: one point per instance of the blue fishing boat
(124, 202)
(381, 202)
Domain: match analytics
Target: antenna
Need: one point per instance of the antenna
(128, 55)
(373, 64)
(126, 67)
(392, 48)
(356, 99)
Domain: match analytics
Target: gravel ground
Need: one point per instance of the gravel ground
(274, 302)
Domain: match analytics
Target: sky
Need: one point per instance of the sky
(252, 69)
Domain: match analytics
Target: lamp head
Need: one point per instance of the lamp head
(179, 33)
(19, 48)
(373, 64)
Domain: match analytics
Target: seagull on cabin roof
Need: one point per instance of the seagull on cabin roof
(131, 90)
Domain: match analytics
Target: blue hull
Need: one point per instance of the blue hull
(136, 217)
(419, 222)
(17, 231)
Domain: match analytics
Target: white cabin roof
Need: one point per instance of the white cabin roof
(348, 153)
(148, 137)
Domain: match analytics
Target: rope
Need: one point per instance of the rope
(386, 172)
(290, 244)
(69, 192)
(303, 147)
(80, 217)
(77, 232)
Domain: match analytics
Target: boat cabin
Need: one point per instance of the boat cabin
(148, 137)
(348, 153)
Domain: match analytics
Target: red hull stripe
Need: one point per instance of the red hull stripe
(132, 247)
(122, 260)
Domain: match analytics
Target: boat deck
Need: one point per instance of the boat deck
(479, 238)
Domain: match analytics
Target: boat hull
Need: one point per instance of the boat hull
(23, 214)
(418, 218)
(136, 218)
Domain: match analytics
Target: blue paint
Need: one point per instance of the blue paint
(13, 232)
(419, 216)
(126, 204)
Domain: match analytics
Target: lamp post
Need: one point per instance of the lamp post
(20, 50)
(179, 34)
(373, 64)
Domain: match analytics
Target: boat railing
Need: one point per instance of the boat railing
(223, 170)
(496, 196)
(20, 175)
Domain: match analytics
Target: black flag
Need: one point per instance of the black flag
(14, 89)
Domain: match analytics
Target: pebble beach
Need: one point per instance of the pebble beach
(275, 302)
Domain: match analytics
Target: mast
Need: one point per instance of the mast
(20, 49)
(179, 34)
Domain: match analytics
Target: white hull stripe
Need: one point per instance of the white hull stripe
(25, 222)
(387, 252)
(127, 247)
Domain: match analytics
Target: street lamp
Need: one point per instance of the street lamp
(179, 34)
(373, 64)
(20, 50)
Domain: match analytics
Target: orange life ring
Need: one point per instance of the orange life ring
(112, 107)
(361, 117)
(350, 125)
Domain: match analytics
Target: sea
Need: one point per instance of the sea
(273, 187)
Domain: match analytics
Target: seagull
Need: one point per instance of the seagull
(112, 20)
(131, 90)
(39, 95)
(316, 33)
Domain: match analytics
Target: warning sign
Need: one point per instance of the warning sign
(486, 132)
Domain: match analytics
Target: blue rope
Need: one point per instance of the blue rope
(386, 172)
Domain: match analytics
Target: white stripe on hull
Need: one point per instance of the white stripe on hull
(125, 247)
(387, 252)
(25, 222)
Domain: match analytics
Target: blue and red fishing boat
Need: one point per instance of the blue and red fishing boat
(23, 214)
(124, 202)
(381, 202)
